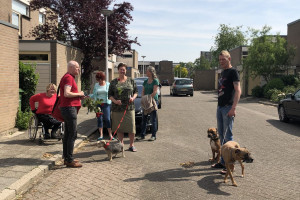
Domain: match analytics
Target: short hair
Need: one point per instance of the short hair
(50, 85)
(153, 72)
(225, 53)
(100, 75)
(122, 65)
(72, 63)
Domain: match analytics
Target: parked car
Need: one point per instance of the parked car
(289, 107)
(139, 112)
(140, 81)
(165, 82)
(182, 86)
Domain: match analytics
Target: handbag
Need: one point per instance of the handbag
(56, 111)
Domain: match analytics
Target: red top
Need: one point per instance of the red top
(45, 103)
(69, 80)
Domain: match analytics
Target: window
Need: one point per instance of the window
(16, 19)
(41, 57)
(42, 18)
(127, 55)
(21, 8)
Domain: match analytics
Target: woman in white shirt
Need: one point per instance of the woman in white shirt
(101, 92)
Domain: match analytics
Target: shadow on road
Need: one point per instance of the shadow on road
(210, 179)
(289, 128)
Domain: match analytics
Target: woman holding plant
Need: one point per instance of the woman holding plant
(122, 93)
(100, 92)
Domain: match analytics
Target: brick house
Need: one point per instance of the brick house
(50, 57)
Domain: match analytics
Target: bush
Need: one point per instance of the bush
(258, 92)
(276, 95)
(23, 119)
(276, 83)
(289, 89)
(28, 80)
(289, 79)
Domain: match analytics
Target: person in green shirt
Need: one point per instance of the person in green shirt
(150, 88)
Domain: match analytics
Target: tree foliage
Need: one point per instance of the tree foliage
(202, 63)
(82, 24)
(227, 38)
(180, 70)
(268, 54)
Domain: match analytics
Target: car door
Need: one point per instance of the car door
(294, 105)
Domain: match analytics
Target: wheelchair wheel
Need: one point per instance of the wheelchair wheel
(33, 127)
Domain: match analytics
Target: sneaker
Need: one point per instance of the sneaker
(112, 138)
(140, 138)
(152, 139)
(100, 138)
(218, 166)
(133, 149)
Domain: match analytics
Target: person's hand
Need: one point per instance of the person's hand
(118, 102)
(231, 112)
(81, 94)
(131, 99)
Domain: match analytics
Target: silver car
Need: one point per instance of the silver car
(182, 86)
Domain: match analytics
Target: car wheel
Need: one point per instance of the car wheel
(282, 115)
(192, 94)
(171, 93)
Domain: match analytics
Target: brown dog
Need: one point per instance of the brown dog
(215, 144)
(231, 152)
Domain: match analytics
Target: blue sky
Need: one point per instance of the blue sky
(177, 30)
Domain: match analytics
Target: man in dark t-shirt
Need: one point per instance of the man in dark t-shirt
(229, 92)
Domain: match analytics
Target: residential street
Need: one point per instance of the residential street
(154, 171)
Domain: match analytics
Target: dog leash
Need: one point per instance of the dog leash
(107, 144)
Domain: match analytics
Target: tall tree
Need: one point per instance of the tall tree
(180, 70)
(202, 63)
(227, 38)
(268, 54)
(82, 23)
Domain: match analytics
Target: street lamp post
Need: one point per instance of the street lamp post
(143, 66)
(106, 13)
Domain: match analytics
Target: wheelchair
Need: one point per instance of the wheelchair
(35, 126)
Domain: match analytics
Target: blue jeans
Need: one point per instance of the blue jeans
(70, 117)
(153, 115)
(105, 108)
(225, 125)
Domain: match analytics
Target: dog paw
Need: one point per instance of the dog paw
(242, 176)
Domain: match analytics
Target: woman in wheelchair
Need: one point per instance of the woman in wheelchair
(43, 112)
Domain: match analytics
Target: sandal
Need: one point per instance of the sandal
(100, 138)
(133, 149)
(217, 166)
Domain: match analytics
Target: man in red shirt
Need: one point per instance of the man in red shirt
(69, 106)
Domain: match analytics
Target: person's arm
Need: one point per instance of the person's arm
(32, 101)
(69, 94)
(236, 99)
(154, 91)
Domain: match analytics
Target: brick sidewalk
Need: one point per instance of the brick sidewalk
(22, 161)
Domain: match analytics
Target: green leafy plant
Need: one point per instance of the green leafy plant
(28, 81)
(23, 118)
(258, 92)
(275, 83)
(92, 105)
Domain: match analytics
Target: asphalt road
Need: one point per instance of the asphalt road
(154, 171)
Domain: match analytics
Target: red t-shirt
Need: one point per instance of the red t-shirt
(45, 103)
(69, 80)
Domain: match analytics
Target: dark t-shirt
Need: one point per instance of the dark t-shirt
(225, 86)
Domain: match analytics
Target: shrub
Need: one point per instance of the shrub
(276, 83)
(258, 92)
(288, 79)
(28, 80)
(289, 89)
(276, 95)
(23, 119)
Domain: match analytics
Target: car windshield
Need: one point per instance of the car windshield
(183, 82)
(140, 90)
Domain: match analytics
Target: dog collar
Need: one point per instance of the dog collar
(106, 145)
(215, 139)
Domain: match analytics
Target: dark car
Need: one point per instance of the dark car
(140, 81)
(139, 112)
(165, 82)
(182, 86)
(289, 107)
